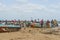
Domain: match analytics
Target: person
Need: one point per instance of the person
(29, 24)
(19, 22)
(22, 24)
(38, 20)
(41, 23)
(33, 24)
(35, 20)
(52, 23)
(48, 24)
(55, 23)
(31, 20)
(5, 22)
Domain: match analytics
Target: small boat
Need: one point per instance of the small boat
(9, 28)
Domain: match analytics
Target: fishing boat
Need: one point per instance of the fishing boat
(9, 28)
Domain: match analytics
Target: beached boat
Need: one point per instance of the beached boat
(9, 28)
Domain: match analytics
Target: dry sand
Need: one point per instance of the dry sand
(28, 34)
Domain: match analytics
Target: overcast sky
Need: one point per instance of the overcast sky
(25, 9)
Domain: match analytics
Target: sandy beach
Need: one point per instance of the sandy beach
(28, 34)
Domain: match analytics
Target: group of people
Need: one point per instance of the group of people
(42, 23)
(48, 24)
(52, 23)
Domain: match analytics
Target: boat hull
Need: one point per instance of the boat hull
(9, 29)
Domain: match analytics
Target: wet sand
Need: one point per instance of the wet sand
(28, 34)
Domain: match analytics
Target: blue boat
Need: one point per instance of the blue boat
(9, 28)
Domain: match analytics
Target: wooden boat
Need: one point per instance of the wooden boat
(9, 28)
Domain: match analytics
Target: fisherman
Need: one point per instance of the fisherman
(25, 23)
(28, 24)
(35, 20)
(41, 23)
(22, 24)
(13, 22)
(52, 23)
(38, 20)
(5, 22)
(33, 24)
(48, 23)
(55, 23)
(19, 22)
(31, 20)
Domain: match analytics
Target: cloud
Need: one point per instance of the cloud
(55, 8)
(28, 7)
(24, 1)
(22, 8)
(2, 6)
(45, 0)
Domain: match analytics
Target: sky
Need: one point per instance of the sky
(29, 9)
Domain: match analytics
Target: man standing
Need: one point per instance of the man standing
(48, 23)
(41, 23)
(52, 23)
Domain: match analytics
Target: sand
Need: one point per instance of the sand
(28, 34)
